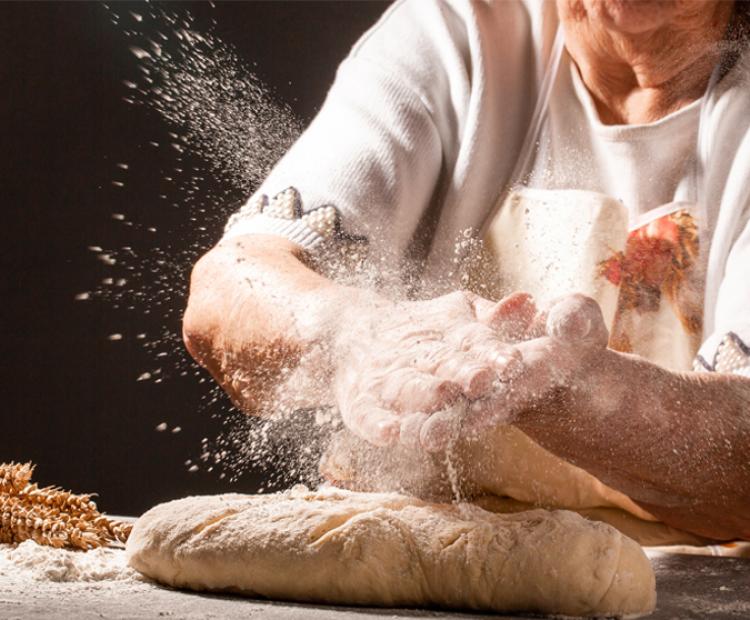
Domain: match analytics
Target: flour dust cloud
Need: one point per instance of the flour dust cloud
(223, 132)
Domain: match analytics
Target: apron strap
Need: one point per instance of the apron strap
(540, 109)
(532, 133)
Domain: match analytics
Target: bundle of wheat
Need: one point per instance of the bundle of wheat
(15, 476)
(50, 515)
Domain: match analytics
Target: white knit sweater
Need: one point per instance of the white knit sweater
(421, 130)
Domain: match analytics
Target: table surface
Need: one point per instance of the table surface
(688, 587)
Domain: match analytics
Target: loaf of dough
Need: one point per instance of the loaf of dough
(504, 470)
(386, 549)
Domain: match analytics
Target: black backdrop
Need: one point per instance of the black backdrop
(69, 400)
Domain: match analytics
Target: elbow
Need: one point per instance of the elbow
(195, 334)
(199, 321)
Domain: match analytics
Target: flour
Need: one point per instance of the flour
(40, 563)
(222, 133)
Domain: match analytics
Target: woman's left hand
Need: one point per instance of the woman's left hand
(562, 346)
(570, 347)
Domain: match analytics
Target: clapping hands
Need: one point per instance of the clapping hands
(424, 373)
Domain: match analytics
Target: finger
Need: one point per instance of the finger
(484, 414)
(380, 427)
(370, 421)
(411, 427)
(475, 377)
(504, 359)
(577, 319)
(485, 345)
(441, 429)
(424, 393)
(510, 317)
(546, 365)
(483, 309)
(538, 326)
(471, 374)
(393, 381)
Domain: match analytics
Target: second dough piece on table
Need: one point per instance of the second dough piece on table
(383, 549)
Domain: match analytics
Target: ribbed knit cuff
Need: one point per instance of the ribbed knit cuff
(317, 230)
(725, 354)
(259, 224)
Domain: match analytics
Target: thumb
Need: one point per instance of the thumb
(577, 319)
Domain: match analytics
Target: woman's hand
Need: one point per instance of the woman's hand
(570, 342)
(408, 371)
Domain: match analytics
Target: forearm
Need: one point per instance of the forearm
(677, 443)
(255, 311)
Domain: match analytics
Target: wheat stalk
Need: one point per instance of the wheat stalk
(50, 515)
(14, 476)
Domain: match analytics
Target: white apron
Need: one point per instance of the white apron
(647, 276)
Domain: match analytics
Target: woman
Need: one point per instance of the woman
(594, 153)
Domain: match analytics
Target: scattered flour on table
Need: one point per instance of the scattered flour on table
(41, 563)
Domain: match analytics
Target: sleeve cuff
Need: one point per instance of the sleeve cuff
(283, 215)
(318, 231)
(259, 224)
(725, 353)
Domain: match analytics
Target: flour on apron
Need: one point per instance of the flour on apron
(647, 280)
(646, 273)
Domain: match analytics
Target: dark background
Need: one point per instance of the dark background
(69, 398)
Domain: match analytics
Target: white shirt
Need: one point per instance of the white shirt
(643, 166)
(422, 127)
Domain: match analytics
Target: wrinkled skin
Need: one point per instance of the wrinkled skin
(408, 367)
(421, 373)
(617, 416)
(674, 442)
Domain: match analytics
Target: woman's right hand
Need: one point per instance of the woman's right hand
(413, 371)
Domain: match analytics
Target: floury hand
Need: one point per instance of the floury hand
(560, 343)
(409, 370)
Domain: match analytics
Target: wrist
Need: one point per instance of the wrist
(331, 310)
(327, 324)
(600, 387)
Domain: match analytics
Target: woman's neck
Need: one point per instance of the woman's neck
(641, 77)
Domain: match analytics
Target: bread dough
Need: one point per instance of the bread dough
(504, 471)
(387, 549)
